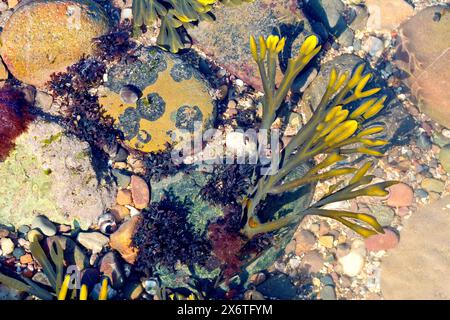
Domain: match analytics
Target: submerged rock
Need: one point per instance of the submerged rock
(229, 46)
(380, 241)
(94, 241)
(140, 192)
(172, 99)
(122, 239)
(44, 37)
(444, 157)
(387, 15)
(43, 224)
(278, 286)
(424, 55)
(329, 13)
(52, 173)
(7, 293)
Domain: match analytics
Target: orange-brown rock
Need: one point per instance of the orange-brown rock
(124, 197)
(121, 240)
(44, 37)
(26, 258)
(140, 192)
(120, 212)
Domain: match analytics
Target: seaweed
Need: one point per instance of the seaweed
(15, 117)
(227, 184)
(114, 45)
(53, 269)
(175, 15)
(335, 131)
(83, 113)
(165, 237)
(160, 165)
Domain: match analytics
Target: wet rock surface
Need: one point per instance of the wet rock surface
(173, 98)
(418, 269)
(424, 54)
(54, 175)
(262, 17)
(44, 37)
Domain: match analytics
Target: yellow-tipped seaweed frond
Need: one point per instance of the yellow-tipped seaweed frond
(342, 132)
(84, 292)
(103, 295)
(64, 288)
(361, 172)
(343, 216)
(265, 52)
(347, 193)
(273, 44)
(368, 109)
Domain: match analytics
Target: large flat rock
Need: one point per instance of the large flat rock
(52, 173)
(419, 268)
(226, 40)
(47, 36)
(424, 54)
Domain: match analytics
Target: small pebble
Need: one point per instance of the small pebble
(305, 241)
(352, 264)
(18, 252)
(26, 259)
(400, 195)
(222, 92)
(94, 241)
(124, 197)
(4, 233)
(386, 241)
(23, 230)
(125, 14)
(140, 192)
(7, 246)
(313, 261)
(328, 293)
(43, 224)
(421, 193)
(433, 185)
(129, 94)
(326, 241)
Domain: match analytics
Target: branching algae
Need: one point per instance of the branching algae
(174, 15)
(335, 130)
(54, 270)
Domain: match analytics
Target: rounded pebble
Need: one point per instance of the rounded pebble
(43, 224)
(400, 195)
(7, 246)
(386, 241)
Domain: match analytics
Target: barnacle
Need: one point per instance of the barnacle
(53, 269)
(174, 15)
(335, 130)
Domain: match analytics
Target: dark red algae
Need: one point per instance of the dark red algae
(14, 119)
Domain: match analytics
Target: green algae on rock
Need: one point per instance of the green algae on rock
(47, 36)
(51, 173)
(171, 94)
